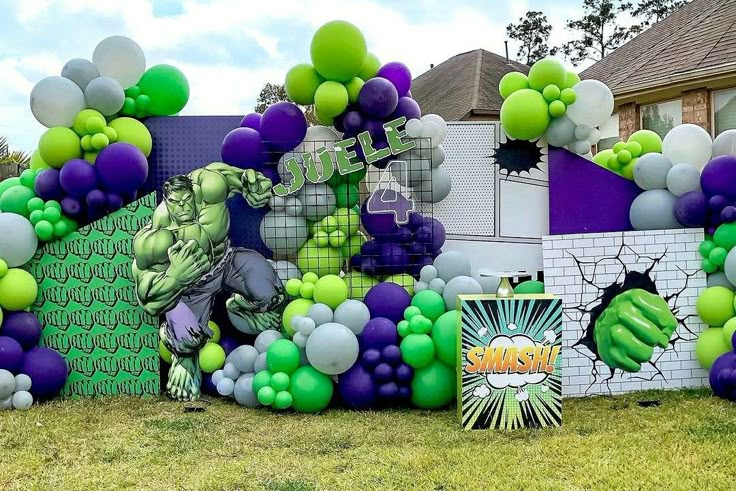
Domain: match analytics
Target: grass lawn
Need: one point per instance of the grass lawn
(689, 442)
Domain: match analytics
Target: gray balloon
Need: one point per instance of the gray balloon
(650, 171)
(318, 201)
(7, 384)
(436, 189)
(6, 403)
(438, 156)
(243, 357)
(230, 371)
(352, 314)
(719, 279)
(729, 267)
(561, 132)
(243, 390)
(260, 364)
(320, 314)
(286, 271)
(411, 173)
(284, 234)
(22, 382)
(725, 144)
(437, 285)
(581, 147)
(217, 376)
(654, 210)
(225, 387)
(264, 340)
(332, 348)
(460, 285)
(451, 264)
(582, 132)
(428, 273)
(22, 400)
(105, 95)
(682, 179)
(488, 282)
(80, 71)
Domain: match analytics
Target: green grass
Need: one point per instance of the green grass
(689, 442)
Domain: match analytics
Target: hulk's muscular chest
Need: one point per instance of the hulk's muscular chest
(210, 229)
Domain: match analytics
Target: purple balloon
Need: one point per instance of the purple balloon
(229, 343)
(717, 203)
(243, 148)
(121, 168)
(11, 354)
(24, 327)
(47, 185)
(388, 390)
(431, 233)
(114, 202)
(722, 376)
(728, 215)
(408, 108)
(691, 209)
(416, 220)
(378, 333)
(283, 126)
(378, 98)
(96, 199)
(391, 354)
(370, 266)
(387, 300)
(394, 259)
(352, 122)
(78, 178)
(718, 177)
(381, 220)
(398, 74)
(383, 373)
(371, 358)
(404, 373)
(357, 388)
(207, 386)
(71, 207)
(375, 128)
(252, 120)
(403, 235)
(47, 370)
(370, 248)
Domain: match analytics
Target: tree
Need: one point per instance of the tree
(12, 163)
(653, 11)
(598, 30)
(273, 93)
(533, 33)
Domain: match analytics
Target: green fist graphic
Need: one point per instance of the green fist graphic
(631, 326)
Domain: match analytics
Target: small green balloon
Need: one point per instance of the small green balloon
(128, 107)
(571, 80)
(420, 325)
(306, 290)
(301, 83)
(280, 381)
(27, 178)
(634, 148)
(338, 51)
(417, 350)
(624, 157)
(111, 134)
(444, 337)
(99, 141)
(706, 247)
(529, 287)
(293, 286)
(347, 195)
(433, 386)
(710, 345)
(80, 121)
(35, 216)
(18, 290)
(568, 96)
(319, 260)
(548, 71)
(551, 93)
(52, 215)
(715, 306)
(347, 220)
(167, 88)
(282, 356)
(95, 124)
(359, 284)
(266, 396)
(331, 99)
(261, 379)
(59, 145)
(211, 358)
(44, 230)
(353, 87)
(133, 91)
(311, 390)
(725, 236)
(331, 290)
(708, 267)
(61, 229)
(411, 311)
(283, 400)
(601, 158)
(403, 328)
(370, 67)
(8, 183)
(650, 141)
(718, 256)
(525, 115)
(15, 200)
(430, 303)
(511, 82)
(557, 109)
(142, 102)
(323, 119)
(86, 143)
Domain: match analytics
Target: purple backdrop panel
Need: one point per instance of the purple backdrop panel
(584, 197)
(184, 143)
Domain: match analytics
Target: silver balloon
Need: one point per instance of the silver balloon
(304, 325)
(729, 268)
(437, 285)
(560, 132)
(318, 201)
(437, 189)
(352, 314)
(18, 239)
(7, 384)
(286, 271)
(440, 134)
(230, 371)
(6, 403)
(23, 382)
(683, 178)
(654, 210)
(725, 144)
(460, 285)
(225, 387)
(420, 286)
(22, 400)
(581, 147)
(438, 156)
(264, 340)
(55, 101)
(451, 264)
(300, 339)
(105, 95)
(120, 58)
(332, 348)
(80, 71)
(413, 128)
(243, 357)
(594, 137)
(243, 391)
(293, 206)
(582, 131)
(593, 105)
(217, 375)
(651, 171)
(260, 363)
(720, 279)
(410, 173)
(320, 314)
(428, 273)
(284, 234)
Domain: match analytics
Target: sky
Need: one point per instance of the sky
(229, 49)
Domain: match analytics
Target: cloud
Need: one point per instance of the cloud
(482, 391)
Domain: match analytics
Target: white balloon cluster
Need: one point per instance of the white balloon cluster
(14, 391)
(117, 63)
(450, 275)
(421, 169)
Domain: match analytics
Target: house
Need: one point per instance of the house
(680, 70)
(465, 87)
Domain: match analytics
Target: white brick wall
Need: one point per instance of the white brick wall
(596, 254)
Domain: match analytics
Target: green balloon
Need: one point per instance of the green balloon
(650, 141)
(282, 356)
(430, 303)
(728, 330)
(525, 115)
(725, 236)
(420, 325)
(15, 200)
(568, 96)
(511, 82)
(331, 290)
(261, 379)
(298, 307)
(718, 256)
(370, 67)
(571, 80)
(266, 396)
(417, 350)
(167, 88)
(529, 287)
(338, 51)
(301, 83)
(548, 71)
(444, 337)
(347, 195)
(283, 400)
(353, 87)
(18, 290)
(80, 121)
(433, 386)
(706, 247)
(352, 246)
(132, 131)
(557, 109)
(211, 358)
(359, 284)
(280, 381)
(551, 93)
(715, 306)
(331, 99)
(311, 390)
(37, 162)
(710, 345)
(323, 119)
(319, 260)
(601, 158)
(59, 145)
(9, 183)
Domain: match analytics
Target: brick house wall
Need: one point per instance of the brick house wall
(696, 108)
(629, 120)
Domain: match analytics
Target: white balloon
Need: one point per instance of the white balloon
(300, 339)
(320, 313)
(304, 325)
(352, 314)
(420, 286)
(120, 58)
(441, 134)
(729, 268)
(688, 144)
(437, 285)
(7, 383)
(410, 173)
(105, 95)
(243, 391)
(428, 273)
(22, 400)
(582, 131)
(725, 144)
(437, 189)
(264, 340)
(430, 130)
(80, 71)
(560, 132)
(243, 357)
(581, 147)
(230, 371)
(318, 201)
(260, 364)
(682, 178)
(460, 285)
(18, 239)
(332, 348)
(225, 387)
(286, 271)
(293, 206)
(282, 233)
(593, 103)
(23, 382)
(413, 128)
(438, 156)
(595, 136)
(55, 101)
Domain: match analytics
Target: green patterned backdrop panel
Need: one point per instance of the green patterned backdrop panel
(88, 307)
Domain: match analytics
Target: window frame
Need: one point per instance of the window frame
(642, 106)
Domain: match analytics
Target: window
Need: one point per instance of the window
(662, 117)
(724, 108)
(609, 133)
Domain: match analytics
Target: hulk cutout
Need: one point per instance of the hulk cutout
(630, 327)
(184, 255)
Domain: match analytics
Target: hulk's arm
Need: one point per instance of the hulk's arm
(218, 181)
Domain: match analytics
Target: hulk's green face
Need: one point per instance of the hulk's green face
(181, 206)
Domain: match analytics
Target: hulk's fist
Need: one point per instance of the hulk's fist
(631, 326)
